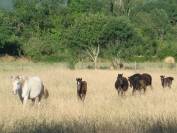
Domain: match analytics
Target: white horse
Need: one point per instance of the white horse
(29, 88)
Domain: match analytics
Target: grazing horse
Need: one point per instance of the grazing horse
(81, 88)
(29, 88)
(137, 82)
(166, 81)
(121, 84)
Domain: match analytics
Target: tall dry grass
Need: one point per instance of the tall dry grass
(103, 111)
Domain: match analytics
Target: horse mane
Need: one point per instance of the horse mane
(22, 82)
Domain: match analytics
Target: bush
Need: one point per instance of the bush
(119, 38)
(85, 33)
(36, 48)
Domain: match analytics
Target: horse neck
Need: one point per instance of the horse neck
(78, 85)
(20, 94)
(163, 80)
(20, 91)
(120, 80)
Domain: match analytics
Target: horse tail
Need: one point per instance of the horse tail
(46, 93)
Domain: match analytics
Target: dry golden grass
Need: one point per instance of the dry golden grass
(103, 111)
(8, 58)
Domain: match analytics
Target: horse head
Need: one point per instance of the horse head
(17, 82)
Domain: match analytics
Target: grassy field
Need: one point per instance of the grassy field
(103, 111)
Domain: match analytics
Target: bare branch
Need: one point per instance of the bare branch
(90, 54)
(93, 54)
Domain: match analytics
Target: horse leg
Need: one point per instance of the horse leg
(83, 97)
(140, 89)
(163, 85)
(133, 91)
(33, 101)
(144, 89)
(79, 96)
(24, 102)
(122, 92)
(151, 87)
(170, 84)
(37, 101)
(118, 92)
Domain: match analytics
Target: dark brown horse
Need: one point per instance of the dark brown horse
(138, 82)
(121, 84)
(166, 81)
(81, 88)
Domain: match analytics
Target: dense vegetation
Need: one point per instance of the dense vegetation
(65, 30)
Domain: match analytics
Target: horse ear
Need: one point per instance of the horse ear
(21, 77)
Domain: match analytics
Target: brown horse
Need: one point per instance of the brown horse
(166, 81)
(81, 88)
(147, 78)
(138, 82)
(121, 84)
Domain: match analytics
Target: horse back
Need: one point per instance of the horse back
(35, 87)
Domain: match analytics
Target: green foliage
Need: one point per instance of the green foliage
(63, 30)
(91, 6)
(119, 35)
(167, 48)
(86, 32)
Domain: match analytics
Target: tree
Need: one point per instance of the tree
(85, 33)
(70, 28)
(93, 53)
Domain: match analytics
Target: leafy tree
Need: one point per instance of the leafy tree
(67, 29)
(119, 35)
(85, 32)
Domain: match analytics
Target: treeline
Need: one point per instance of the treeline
(73, 30)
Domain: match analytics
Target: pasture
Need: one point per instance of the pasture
(103, 110)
